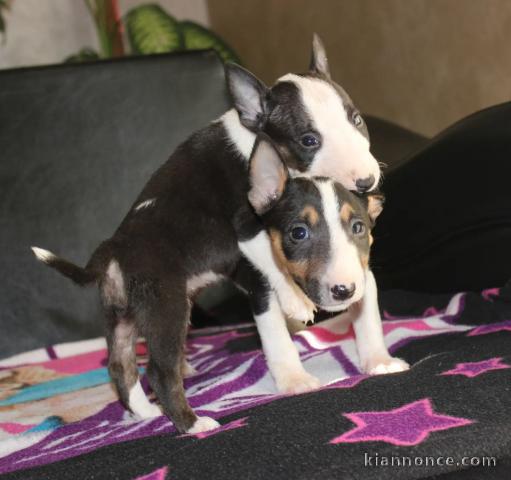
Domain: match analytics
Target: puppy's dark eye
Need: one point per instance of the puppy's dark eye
(356, 118)
(299, 233)
(309, 140)
(358, 228)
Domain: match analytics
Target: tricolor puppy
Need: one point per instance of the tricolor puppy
(320, 236)
(162, 254)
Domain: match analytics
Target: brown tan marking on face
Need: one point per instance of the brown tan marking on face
(298, 269)
(295, 269)
(371, 239)
(346, 212)
(364, 260)
(276, 245)
(287, 267)
(310, 214)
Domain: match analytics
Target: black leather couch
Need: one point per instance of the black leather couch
(77, 143)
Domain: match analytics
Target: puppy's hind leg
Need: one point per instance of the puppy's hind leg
(166, 336)
(121, 339)
(123, 370)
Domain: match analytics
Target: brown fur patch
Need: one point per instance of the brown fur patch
(310, 214)
(299, 269)
(296, 269)
(371, 239)
(346, 212)
(278, 252)
(364, 260)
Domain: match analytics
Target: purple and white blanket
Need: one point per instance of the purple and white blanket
(60, 418)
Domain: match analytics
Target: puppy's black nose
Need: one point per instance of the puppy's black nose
(365, 184)
(342, 292)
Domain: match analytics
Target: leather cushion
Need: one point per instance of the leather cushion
(77, 143)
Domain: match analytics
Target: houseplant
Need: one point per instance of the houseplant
(147, 29)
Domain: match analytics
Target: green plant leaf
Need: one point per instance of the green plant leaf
(152, 30)
(84, 55)
(196, 37)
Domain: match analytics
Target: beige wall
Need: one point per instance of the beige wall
(47, 31)
(421, 63)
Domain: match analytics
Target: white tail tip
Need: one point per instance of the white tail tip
(43, 255)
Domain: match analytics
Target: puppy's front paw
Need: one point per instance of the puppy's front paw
(151, 410)
(383, 365)
(295, 304)
(293, 382)
(203, 424)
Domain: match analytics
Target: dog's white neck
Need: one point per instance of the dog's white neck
(240, 137)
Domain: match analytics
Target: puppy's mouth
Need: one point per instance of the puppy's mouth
(338, 307)
(341, 306)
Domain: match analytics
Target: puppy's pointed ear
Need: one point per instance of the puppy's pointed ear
(248, 94)
(268, 175)
(375, 203)
(319, 62)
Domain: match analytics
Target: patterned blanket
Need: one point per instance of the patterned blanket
(59, 417)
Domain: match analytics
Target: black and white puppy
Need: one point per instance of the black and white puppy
(164, 251)
(319, 132)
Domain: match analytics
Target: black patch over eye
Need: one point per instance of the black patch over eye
(309, 140)
(299, 233)
(356, 118)
(358, 228)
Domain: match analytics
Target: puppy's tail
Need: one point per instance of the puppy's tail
(78, 275)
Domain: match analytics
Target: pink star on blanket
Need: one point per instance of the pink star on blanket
(492, 328)
(489, 293)
(407, 425)
(473, 369)
(159, 474)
